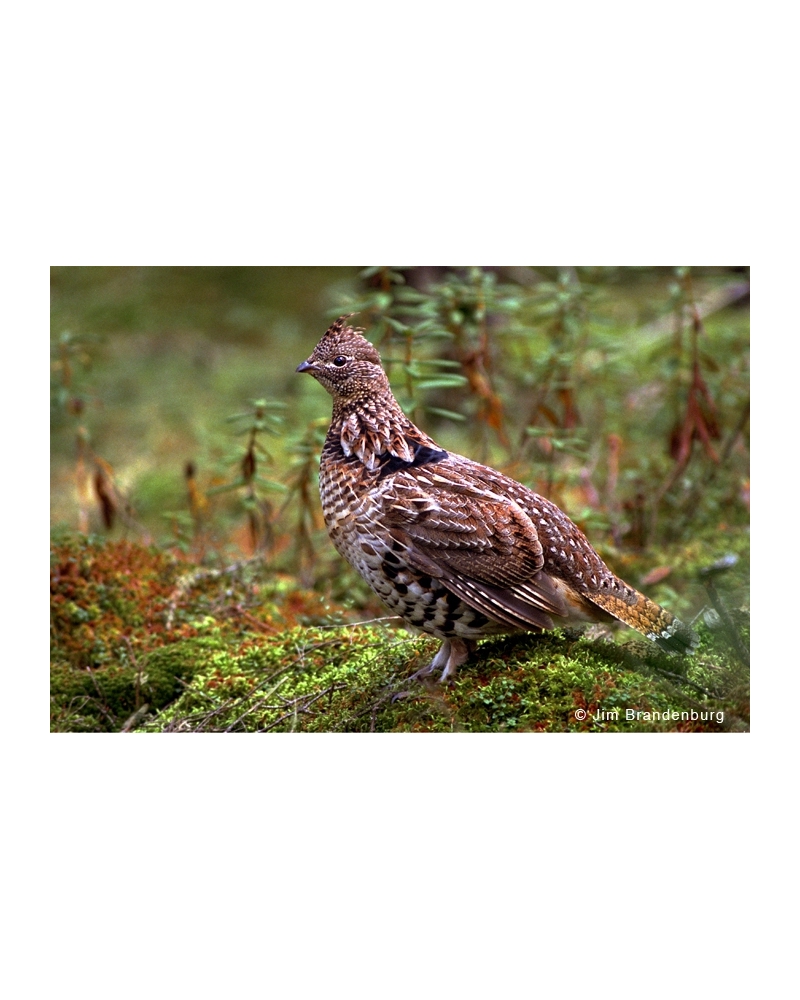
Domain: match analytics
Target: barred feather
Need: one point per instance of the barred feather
(453, 547)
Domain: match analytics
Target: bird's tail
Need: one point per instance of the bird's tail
(650, 619)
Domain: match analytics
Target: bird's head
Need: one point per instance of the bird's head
(345, 363)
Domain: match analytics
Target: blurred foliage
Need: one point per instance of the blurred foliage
(177, 418)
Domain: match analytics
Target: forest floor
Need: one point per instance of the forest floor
(144, 640)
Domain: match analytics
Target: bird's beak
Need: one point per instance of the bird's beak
(304, 366)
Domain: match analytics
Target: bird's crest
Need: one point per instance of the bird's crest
(340, 338)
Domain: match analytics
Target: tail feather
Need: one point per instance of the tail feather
(650, 619)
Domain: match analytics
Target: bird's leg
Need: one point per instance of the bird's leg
(450, 655)
(457, 654)
(440, 660)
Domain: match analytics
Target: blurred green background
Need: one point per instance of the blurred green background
(166, 354)
(581, 381)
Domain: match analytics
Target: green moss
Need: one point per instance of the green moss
(209, 651)
(103, 699)
(306, 680)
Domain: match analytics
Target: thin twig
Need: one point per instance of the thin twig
(133, 720)
(304, 709)
(685, 680)
(369, 621)
(135, 663)
(233, 701)
(258, 704)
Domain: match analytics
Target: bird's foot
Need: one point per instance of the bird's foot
(451, 654)
(419, 675)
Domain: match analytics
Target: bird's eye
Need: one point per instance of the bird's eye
(340, 361)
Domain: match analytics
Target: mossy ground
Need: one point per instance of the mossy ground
(141, 640)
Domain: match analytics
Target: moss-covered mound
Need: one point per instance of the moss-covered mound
(142, 641)
(131, 625)
(357, 680)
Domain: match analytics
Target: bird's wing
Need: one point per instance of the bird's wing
(479, 543)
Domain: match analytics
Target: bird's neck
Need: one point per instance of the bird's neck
(374, 427)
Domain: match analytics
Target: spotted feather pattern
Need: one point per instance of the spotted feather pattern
(453, 547)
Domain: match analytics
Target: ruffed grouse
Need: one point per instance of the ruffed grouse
(453, 547)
